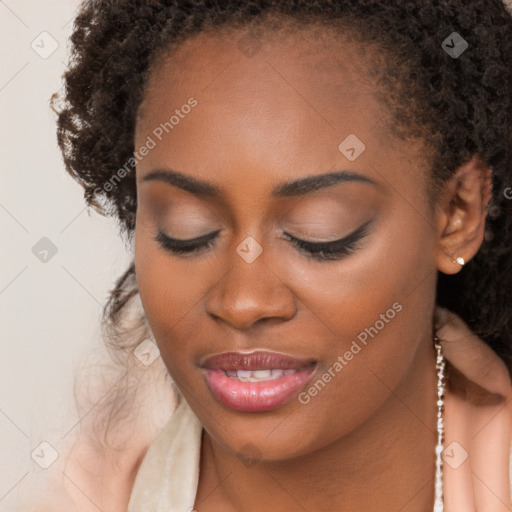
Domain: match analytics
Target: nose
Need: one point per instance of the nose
(250, 293)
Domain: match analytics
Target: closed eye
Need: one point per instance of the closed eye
(180, 247)
(323, 251)
(334, 250)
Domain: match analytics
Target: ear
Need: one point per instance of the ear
(461, 214)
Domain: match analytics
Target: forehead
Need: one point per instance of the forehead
(279, 101)
(311, 70)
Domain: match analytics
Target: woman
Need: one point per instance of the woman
(315, 193)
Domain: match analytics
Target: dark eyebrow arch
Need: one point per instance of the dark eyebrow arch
(299, 187)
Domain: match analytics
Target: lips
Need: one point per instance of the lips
(256, 382)
(259, 360)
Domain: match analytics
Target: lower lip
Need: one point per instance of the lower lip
(256, 396)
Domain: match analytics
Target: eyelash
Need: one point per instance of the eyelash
(185, 246)
(324, 251)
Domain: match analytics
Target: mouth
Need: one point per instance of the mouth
(257, 381)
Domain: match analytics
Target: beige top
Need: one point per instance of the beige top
(476, 458)
(168, 476)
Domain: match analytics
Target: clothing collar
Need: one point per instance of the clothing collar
(169, 473)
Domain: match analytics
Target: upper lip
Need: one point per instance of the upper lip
(257, 360)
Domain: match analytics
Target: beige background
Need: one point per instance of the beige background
(49, 312)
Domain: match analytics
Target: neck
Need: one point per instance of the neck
(387, 463)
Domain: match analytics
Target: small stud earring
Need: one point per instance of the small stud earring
(460, 261)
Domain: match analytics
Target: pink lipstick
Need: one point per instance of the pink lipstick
(257, 381)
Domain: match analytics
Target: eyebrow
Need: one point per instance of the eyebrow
(299, 187)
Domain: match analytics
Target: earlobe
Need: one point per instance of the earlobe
(448, 264)
(462, 211)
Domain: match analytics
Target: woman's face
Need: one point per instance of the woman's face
(247, 122)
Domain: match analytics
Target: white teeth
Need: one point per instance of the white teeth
(259, 375)
(262, 374)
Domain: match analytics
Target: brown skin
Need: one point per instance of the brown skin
(366, 441)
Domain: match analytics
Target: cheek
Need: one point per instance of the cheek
(369, 313)
(172, 291)
(349, 295)
(161, 288)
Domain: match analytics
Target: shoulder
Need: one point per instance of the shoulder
(478, 421)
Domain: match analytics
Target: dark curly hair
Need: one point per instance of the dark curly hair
(460, 106)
